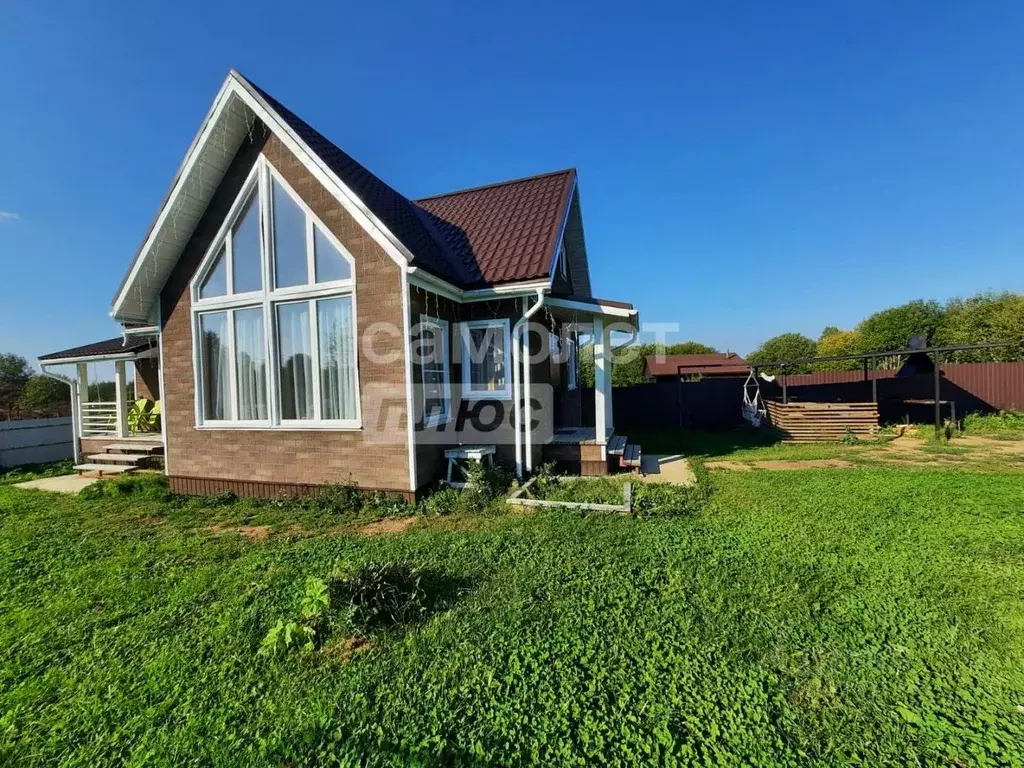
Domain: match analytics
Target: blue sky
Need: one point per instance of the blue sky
(746, 168)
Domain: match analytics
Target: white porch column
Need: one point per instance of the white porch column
(83, 387)
(121, 399)
(602, 377)
(609, 421)
(527, 395)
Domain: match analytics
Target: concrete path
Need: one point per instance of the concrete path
(667, 469)
(62, 484)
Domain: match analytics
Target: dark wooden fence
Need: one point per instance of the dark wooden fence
(716, 403)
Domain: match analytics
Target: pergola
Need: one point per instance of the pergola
(868, 360)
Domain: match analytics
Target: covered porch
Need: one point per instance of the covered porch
(596, 449)
(112, 434)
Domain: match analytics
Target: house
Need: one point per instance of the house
(672, 367)
(303, 323)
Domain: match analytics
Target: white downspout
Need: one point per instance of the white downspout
(519, 330)
(76, 415)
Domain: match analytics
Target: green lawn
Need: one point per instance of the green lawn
(829, 617)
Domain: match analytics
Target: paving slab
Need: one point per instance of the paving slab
(667, 469)
(62, 484)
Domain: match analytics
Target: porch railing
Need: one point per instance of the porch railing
(99, 418)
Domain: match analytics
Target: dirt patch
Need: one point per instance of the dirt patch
(732, 466)
(388, 525)
(343, 649)
(808, 464)
(251, 532)
(255, 532)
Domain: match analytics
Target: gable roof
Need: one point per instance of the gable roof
(507, 231)
(467, 238)
(718, 364)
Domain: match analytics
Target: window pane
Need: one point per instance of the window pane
(290, 267)
(330, 264)
(246, 271)
(295, 361)
(216, 282)
(250, 364)
(216, 389)
(487, 359)
(337, 358)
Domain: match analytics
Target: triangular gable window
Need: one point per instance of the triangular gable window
(216, 282)
(330, 264)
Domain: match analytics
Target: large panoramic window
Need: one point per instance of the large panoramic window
(274, 317)
(485, 360)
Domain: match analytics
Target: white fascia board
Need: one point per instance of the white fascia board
(88, 359)
(441, 287)
(604, 310)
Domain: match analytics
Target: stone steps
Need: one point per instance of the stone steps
(104, 469)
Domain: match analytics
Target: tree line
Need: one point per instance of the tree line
(26, 394)
(985, 317)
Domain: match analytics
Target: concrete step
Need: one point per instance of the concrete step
(616, 445)
(150, 449)
(104, 469)
(119, 458)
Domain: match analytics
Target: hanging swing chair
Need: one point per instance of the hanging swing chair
(753, 406)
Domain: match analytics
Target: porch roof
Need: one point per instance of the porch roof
(119, 348)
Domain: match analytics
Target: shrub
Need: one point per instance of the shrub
(444, 501)
(147, 485)
(379, 595)
(311, 626)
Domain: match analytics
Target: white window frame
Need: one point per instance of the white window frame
(437, 419)
(489, 394)
(563, 263)
(268, 299)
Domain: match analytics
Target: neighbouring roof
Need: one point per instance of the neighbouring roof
(474, 238)
(117, 346)
(508, 231)
(719, 364)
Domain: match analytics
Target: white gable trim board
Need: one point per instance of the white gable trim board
(228, 123)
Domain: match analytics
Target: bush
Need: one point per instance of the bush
(1004, 421)
(378, 595)
(147, 485)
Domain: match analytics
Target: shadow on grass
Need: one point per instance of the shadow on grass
(696, 442)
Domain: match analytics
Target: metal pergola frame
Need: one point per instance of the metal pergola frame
(870, 357)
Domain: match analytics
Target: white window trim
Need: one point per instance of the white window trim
(563, 261)
(444, 418)
(269, 298)
(490, 394)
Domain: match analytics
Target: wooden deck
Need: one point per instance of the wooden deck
(822, 422)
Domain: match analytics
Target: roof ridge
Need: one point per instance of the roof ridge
(493, 184)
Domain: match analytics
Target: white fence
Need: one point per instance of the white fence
(35, 441)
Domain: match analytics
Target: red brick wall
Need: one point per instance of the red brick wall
(375, 457)
(147, 378)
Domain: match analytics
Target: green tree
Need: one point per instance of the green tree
(834, 342)
(43, 397)
(892, 328)
(14, 375)
(785, 346)
(981, 318)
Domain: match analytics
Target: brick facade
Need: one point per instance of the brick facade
(254, 460)
(147, 378)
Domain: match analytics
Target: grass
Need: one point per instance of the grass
(804, 618)
(741, 444)
(1002, 425)
(28, 472)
